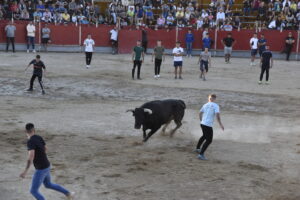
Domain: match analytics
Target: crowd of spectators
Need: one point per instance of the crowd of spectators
(156, 14)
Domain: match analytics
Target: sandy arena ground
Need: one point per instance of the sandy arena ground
(95, 150)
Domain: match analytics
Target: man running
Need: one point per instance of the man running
(158, 54)
(89, 46)
(38, 67)
(207, 115)
(266, 62)
(138, 54)
(228, 43)
(204, 60)
(261, 44)
(253, 46)
(178, 53)
(37, 154)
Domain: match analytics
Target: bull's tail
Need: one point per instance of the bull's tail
(182, 104)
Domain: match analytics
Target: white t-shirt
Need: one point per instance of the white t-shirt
(221, 15)
(176, 51)
(253, 43)
(209, 111)
(89, 45)
(30, 30)
(114, 35)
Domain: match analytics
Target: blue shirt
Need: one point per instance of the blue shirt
(262, 47)
(189, 38)
(206, 42)
(209, 111)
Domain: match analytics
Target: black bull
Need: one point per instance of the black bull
(152, 115)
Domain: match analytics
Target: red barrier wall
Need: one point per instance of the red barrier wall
(70, 34)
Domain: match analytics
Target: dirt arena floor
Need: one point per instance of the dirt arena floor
(96, 152)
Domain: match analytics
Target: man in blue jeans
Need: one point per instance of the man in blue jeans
(37, 155)
(207, 115)
(189, 39)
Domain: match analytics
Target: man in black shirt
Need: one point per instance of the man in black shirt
(38, 67)
(37, 155)
(266, 62)
(289, 43)
(228, 42)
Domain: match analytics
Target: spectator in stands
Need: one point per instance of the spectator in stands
(261, 11)
(22, 6)
(220, 17)
(47, 16)
(149, 15)
(199, 22)
(161, 21)
(114, 40)
(65, 17)
(10, 30)
(61, 5)
(189, 39)
(30, 36)
(72, 7)
(130, 14)
(170, 20)
(289, 43)
(37, 15)
(139, 15)
(41, 7)
(227, 26)
(165, 10)
(45, 37)
(179, 13)
(247, 7)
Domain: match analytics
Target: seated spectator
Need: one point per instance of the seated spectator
(57, 17)
(37, 15)
(277, 6)
(130, 14)
(236, 22)
(149, 14)
(220, 17)
(139, 14)
(74, 19)
(61, 6)
(65, 17)
(227, 26)
(47, 16)
(261, 11)
(187, 15)
(72, 7)
(161, 21)
(293, 7)
(156, 4)
(247, 7)
(41, 7)
(170, 20)
(190, 8)
(14, 8)
(22, 6)
(255, 5)
(179, 14)
(165, 10)
(180, 24)
(24, 15)
(204, 14)
(199, 22)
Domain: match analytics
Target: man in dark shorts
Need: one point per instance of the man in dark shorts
(37, 154)
(204, 60)
(253, 46)
(289, 43)
(137, 59)
(158, 54)
(38, 67)
(228, 43)
(45, 36)
(266, 62)
(207, 114)
(178, 60)
(261, 44)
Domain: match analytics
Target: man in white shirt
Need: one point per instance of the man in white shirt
(30, 36)
(178, 53)
(207, 115)
(253, 46)
(114, 40)
(89, 45)
(220, 17)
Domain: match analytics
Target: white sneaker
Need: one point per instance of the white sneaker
(33, 51)
(158, 76)
(27, 50)
(71, 196)
(87, 66)
(254, 64)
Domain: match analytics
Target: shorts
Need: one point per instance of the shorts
(45, 40)
(227, 50)
(253, 52)
(203, 65)
(177, 63)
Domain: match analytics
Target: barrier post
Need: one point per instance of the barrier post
(40, 33)
(79, 37)
(297, 48)
(215, 44)
(176, 33)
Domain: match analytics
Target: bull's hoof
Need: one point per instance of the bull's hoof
(145, 140)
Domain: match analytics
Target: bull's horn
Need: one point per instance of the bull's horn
(148, 110)
(130, 110)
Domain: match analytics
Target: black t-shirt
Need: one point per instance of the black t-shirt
(40, 160)
(228, 41)
(290, 39)
(38, 66)
(266, 56)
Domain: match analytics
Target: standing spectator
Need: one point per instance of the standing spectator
(189, 39)
(178, 53)
(137, 59)
(45, 36)
(266, 62)
(30, 36)
(289, 43)
(47, 16)
(144, 40)
(206, 41)
(89, 45)
(247, 7)
(253, 46)
(261, 44)
(204, 60)
(158, 54)
(10, 30)
(228, 43)
(114, 40)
